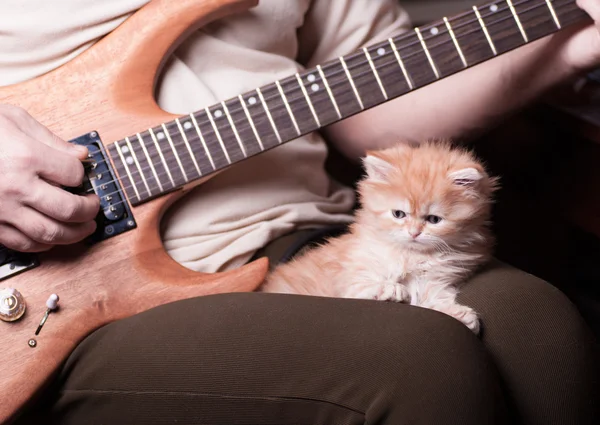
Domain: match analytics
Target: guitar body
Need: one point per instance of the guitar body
(108, 89)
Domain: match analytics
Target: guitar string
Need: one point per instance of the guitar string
(400, 39)
(194, 138)
(388, 55)
(410, 33)
(302, 98)
(246, 126)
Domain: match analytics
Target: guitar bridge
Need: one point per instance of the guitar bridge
(115, 215)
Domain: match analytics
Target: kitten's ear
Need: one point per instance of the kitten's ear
(377, 168)
(467, 177)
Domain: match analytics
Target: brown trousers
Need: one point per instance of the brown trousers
(252, 359)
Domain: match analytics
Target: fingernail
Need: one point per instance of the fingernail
(81, 150)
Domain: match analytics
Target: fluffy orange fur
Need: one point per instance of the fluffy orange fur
(421, 230)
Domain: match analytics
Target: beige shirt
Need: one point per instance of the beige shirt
(220, 224)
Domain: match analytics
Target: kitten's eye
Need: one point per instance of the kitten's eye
(398, 214)
(433, 219)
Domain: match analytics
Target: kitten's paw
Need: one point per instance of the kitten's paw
(392, 292)
(471, 321)
(465, 314)
(386, 291)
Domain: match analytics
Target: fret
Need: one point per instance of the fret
(401, 64)
(536, 18)
(300, 106)
(234, 150)
(329, 91)
(266, 133)
(286, 120)
(246, 136)
(131, 150)
(174, 151)
(375, 73)
(308, 101)
(365, 79)
(358, 98)
(456, 43)
(517, 20)
(415, 59)
(427, 53)
(485, 30)
(124, 167)
(341, 88)
(162, 174)
(441, 49)
(203, 142)
(193, 154)
(568, 12)
(388, 69)
(212, 115)
(187, 145)
(470, 35)
(287, 106)
(162, 157)
(211, 139)
(268, 112)
(318, 97)
(185, 161)
(238, 122)
(502, 27)
(553, 13)
(148, 159)
(120, 172)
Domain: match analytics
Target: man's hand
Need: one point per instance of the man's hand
(582, 50)
(35, 213)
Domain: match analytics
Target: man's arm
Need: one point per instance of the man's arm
(460, 106)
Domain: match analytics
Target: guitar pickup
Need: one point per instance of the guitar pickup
(12, 262)
(115, 216)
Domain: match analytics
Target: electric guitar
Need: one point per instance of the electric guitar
(142, 159)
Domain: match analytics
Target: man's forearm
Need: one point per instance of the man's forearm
(460, 106)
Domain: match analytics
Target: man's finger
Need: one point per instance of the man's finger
(45, 230)
(14, 239)
(59, 167)
(61, 205)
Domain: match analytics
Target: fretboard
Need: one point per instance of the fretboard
(176, 153)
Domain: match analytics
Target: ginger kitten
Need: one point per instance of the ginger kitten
(421, 230)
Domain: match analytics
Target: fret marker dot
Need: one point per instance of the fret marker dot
(314, 87)
(494, 8)
(187, 125)
(311, 78)
(381, 51)
(160, 136)
(125, 149)
(252, 100)
(218, 113)
(129, 160)
(434, 31)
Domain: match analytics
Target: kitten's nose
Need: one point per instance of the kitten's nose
(415, 233)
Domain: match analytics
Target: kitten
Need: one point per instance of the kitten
(421, 230)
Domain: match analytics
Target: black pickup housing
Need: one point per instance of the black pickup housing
(115, 216)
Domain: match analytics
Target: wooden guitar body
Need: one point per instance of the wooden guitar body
(108, 89)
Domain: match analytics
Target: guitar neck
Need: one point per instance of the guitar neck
(176, 153)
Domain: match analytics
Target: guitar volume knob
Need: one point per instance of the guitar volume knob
(12, 305)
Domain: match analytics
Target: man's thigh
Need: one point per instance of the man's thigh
(279, 359)
(545, 352)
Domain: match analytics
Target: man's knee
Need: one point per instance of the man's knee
(511, 300)
(440, 373)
